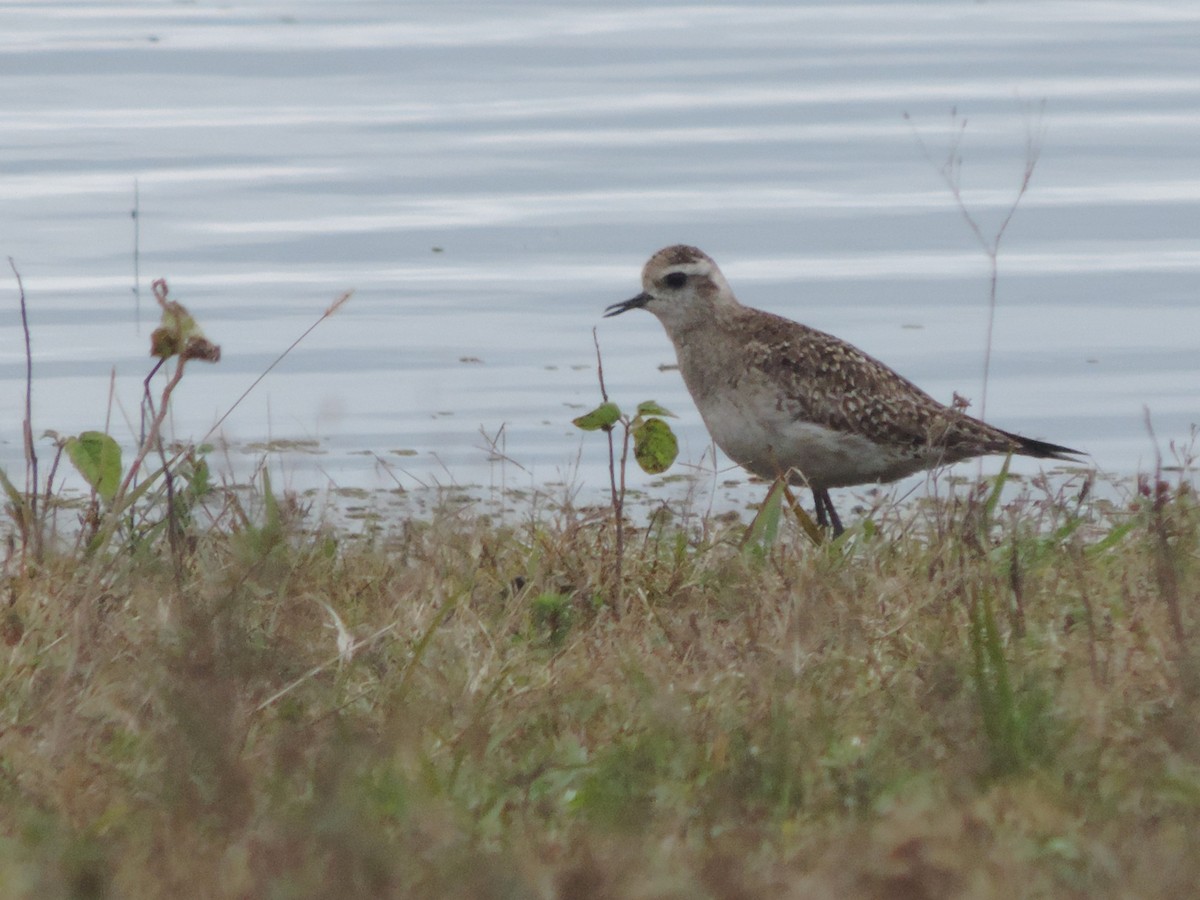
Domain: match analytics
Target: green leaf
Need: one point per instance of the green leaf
(1114, 537)
(552, 615)
(605, 416)
(651, 408)
(993, 500)
(15, 497)
(654, 446)
(198, 482)
(98, 458)
(764, 527)
(272, 529)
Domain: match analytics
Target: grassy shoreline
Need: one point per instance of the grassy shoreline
(953, 701)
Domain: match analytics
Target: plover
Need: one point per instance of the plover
(787, 401)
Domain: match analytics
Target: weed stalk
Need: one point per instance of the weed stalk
(950, 170)
(617, 490)
(26, 506)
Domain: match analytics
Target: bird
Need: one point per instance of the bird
(787, 401)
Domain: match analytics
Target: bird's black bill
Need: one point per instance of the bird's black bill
(633, 303)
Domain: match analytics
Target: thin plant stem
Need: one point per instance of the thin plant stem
(31, 528)
(802, 518)
(136, 215)
(30, 453)
(156, 419)
(618, 491)
(329, 311)
(1165, 564)
(950, 171)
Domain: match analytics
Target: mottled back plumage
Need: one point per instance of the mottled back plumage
(785, 400)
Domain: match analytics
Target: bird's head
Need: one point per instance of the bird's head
(680, 284)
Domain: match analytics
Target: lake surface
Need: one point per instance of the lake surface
(487, 177)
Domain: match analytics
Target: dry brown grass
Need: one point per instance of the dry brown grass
(791, 721)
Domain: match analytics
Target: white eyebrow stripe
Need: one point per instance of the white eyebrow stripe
(695, 268)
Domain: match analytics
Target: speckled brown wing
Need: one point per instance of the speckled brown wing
(833, 384)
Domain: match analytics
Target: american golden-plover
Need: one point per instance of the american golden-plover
(787, 401)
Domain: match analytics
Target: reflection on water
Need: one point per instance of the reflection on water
(488, 185)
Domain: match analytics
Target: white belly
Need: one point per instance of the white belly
(768, 442)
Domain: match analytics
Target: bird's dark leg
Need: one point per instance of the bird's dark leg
(827, 516)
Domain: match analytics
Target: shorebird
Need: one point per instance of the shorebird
(786, 401)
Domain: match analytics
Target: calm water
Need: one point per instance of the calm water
(487, 177)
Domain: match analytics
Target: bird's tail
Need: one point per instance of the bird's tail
(1044, 449)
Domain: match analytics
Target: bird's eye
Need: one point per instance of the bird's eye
(675, 280)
